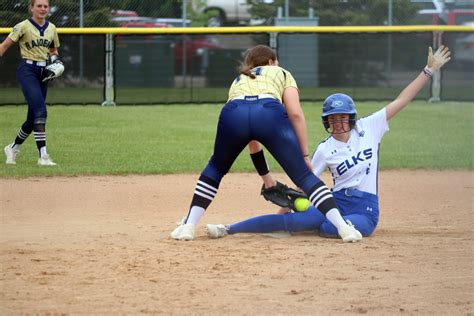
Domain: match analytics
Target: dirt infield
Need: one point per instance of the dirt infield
(100, 245)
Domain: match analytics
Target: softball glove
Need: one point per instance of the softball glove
(282, 195)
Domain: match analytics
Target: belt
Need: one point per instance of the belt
(36, 63)
(349, 192)
(254, 97)
(353, 192)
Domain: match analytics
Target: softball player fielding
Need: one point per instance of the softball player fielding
(255, 112)
(38, 41)
(351, 153)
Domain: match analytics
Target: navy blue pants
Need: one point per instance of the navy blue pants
(266, 121)
(361, 208)
(30, 76)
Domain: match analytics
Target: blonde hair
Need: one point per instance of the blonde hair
(254, 57)
(32, 3)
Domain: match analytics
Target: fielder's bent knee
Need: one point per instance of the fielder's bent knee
(40, 120)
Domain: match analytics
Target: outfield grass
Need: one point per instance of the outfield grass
(87, 140)
(142, 96)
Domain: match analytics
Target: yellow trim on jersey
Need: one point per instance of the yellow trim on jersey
(34, 43)
(269, 80)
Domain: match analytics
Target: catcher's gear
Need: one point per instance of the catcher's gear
(339, 103)
(282, 195)
(53, 70)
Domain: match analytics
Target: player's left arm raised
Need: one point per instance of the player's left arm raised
(435, 62)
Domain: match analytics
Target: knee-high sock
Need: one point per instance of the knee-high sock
(39, 132)
(20, 137)
(204, 193)
(324, 201)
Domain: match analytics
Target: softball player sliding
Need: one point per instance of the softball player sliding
(37, 39)
(254, 112)
(351, 153)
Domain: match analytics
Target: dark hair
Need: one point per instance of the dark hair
(254, 57)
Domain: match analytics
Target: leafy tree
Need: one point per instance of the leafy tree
(65, 13)
(360, 57)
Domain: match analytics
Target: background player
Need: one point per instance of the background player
(254, 112)
(37, 39)
(351, 154)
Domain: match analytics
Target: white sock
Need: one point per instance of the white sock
(195, 215)
(15, 146)
(43, 152)
(335, 218)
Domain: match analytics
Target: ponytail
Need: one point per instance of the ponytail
(254, 57)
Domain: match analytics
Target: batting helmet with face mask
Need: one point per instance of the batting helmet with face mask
(339, 103)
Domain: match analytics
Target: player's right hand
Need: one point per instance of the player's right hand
(439, 58)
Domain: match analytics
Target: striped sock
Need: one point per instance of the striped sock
(322, 198)
(40, 138)
(204, 194)
(20, 138)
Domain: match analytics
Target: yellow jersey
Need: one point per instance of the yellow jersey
(269, 80)
(35, 40)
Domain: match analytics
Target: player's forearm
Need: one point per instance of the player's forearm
(296, 117)
(407, 95)
(5, 45)
(53, 52)
(299, 125)
(412, 89)
(2, 49)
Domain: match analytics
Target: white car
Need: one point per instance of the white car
(229, 12)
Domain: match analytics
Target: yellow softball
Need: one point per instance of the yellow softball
(302, 204)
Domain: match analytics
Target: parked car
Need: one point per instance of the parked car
(227, 12)
(124, 13)
(195, 47)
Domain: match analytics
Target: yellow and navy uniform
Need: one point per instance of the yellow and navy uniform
(268, 80)
(34, 40)
(254, 112)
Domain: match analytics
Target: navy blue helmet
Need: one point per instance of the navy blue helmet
(339, 103)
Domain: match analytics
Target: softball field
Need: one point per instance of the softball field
(100, 245)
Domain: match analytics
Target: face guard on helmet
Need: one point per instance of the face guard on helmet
(339, 103)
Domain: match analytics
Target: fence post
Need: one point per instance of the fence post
(109, 84)
(436, 79)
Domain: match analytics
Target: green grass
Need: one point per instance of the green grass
(87, 140)
(141, 96)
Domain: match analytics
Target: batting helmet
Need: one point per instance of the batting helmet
(339, 103)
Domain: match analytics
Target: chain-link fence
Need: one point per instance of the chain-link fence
(191, 68)
(149, 13)
(150, 69)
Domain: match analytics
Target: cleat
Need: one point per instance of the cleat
(10, 153)
(349, 233)
(216, 230)
(46, 161)
(184, 232)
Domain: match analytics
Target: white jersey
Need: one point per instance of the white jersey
(354, 164)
